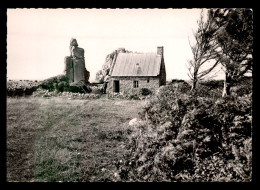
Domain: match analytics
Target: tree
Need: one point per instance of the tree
(234, 39)
(203, 51)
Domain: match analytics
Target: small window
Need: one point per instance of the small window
(135, 84)
(148, 81)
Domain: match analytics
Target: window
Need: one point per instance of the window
(148, 81)
(135, 84)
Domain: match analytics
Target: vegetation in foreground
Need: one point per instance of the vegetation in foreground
(179, 136)
(192, 136)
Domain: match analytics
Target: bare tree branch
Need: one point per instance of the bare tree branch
(202, 51)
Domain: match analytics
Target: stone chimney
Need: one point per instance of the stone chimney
(160, 50)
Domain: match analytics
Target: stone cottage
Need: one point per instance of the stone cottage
(132, 71)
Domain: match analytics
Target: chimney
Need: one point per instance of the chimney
(160, 50)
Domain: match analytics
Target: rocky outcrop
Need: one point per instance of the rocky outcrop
(109, 61)
(75, 69)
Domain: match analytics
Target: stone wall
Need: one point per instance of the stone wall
(126, 85)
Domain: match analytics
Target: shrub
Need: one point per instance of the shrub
(135, 94)
(177, 80)
(145, 91)
(62, 86)
(20, 88)
(212, 84)
(55, 83)
(97, 89)
(60, 83)
(190, 138)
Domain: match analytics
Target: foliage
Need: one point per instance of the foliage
(134, 94)
(20, 88)
(145, 91)
(183, 137)
(98, 89)
(57, 84)
(177, 80)
(211, 88)
(100, 76)
(61, 83)
(180, 135)
(234, 37)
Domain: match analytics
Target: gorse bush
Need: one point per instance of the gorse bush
(61, 83)
(183, 137)
(170, 104)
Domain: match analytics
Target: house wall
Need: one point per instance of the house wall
(127, 86)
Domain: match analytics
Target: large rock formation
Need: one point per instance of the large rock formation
(75, 69)
(106, 67)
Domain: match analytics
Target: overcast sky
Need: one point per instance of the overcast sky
(38, 39)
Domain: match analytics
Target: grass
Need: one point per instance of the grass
(58, 139)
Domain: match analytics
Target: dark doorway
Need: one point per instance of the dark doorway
(116, 86)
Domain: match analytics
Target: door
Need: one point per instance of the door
(116, 86)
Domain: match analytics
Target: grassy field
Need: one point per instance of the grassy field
(181, 135)
(60, 139)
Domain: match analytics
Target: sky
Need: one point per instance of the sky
(38, 39)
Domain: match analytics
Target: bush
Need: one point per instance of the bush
(182, 137)
(243, 87)
(212, 84)
(145, 91)
(20, 88)
(135, 94)
(177, 80)
(97, 89)
(62, 86)
(61, 83)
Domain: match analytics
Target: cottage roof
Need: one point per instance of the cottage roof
(137, 64)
